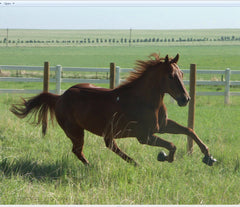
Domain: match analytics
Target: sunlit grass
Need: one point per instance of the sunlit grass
(43, 170)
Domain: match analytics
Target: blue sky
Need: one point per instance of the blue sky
(120, 15)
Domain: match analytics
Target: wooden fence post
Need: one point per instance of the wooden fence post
(45, 90)
(191, 107)
(46, 77)
(112, 75)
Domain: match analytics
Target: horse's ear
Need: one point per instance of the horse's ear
(166, 59)
(175, 60)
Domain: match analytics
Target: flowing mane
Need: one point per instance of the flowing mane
(143, 66)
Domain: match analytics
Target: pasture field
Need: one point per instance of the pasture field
(18, 37)
(215, 58)
(43, 170)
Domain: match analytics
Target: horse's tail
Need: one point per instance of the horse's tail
(37, 106)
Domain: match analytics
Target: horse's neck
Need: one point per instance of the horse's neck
(144, 92)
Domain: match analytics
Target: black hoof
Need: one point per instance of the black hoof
(162, 156)
(209, 160)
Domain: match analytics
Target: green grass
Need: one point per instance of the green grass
(43, 170)
(37, 170)
(19, 35)
(214, 57)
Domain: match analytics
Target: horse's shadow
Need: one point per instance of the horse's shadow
(34, 170)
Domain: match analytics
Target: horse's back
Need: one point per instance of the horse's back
(88, 106)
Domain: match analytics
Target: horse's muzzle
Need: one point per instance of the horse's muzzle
(183, 101)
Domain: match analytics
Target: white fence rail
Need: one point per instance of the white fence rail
(58, 77)
(59, 69)
(226, 82)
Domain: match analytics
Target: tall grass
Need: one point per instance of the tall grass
(37, 170)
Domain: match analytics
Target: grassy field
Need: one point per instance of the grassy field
(43, 170)
(17, 37)
(37, 170)
(214, 57)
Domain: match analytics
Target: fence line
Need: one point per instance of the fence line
(227, 83)
(59, 79)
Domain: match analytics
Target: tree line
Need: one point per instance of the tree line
(121, 40)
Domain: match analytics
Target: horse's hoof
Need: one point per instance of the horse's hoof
(209, 160)
(162, 156)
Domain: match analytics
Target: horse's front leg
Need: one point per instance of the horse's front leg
(174, 128)
(153, 140)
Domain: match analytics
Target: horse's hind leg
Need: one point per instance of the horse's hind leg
(111, 144)
(77, 138)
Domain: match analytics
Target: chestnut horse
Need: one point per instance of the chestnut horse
(133, 109)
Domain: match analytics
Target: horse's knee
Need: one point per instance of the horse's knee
(172, 148)
(77, 150)
(142, 140)
(108, 143)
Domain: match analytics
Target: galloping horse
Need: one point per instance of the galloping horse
(133, 109)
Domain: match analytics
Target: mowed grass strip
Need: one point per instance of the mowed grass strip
(214, 57)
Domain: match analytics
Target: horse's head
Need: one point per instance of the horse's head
(173, 81)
